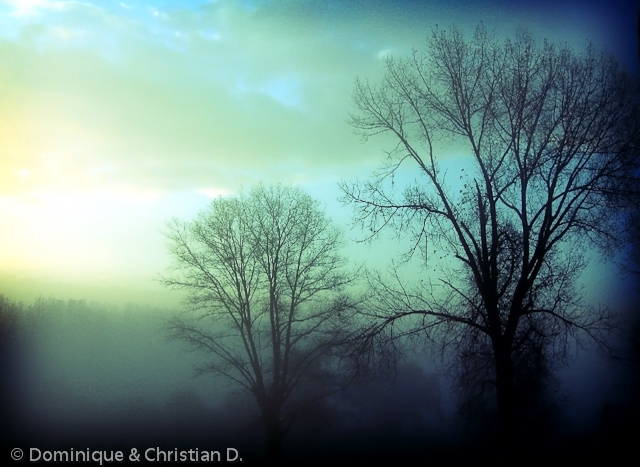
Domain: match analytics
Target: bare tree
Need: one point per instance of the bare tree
(266, 290)
(550, 138)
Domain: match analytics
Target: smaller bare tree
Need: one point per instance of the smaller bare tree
(266, 291)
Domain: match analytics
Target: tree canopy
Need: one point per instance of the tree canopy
(265, 281)
(549, 137)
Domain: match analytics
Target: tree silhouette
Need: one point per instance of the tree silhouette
(265, 282)
(549, 137)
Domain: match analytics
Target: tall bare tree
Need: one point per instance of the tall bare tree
(266, 287)
(550, 140)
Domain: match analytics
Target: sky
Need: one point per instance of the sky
(116, 117)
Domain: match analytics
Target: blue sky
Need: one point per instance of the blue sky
(117, 116)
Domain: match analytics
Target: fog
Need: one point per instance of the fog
(88, 375)
(120, 116)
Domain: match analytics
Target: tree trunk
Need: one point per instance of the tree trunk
(273, 430)
(505, 396)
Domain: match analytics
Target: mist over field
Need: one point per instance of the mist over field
(221, 227)
(85, 375)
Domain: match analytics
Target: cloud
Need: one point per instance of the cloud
(30, 8)
(168, 103)
(171, 109)
(171, 94)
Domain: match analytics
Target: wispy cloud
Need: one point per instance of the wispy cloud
(159, 101)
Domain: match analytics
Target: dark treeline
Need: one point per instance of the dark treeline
(84, 375)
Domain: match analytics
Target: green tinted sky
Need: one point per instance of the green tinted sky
(116, 116)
